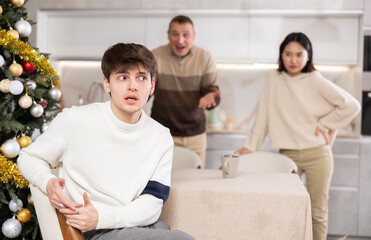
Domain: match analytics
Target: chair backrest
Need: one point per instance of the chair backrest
(263, 161)
(52, 224)
(46, 215)
(185, 158)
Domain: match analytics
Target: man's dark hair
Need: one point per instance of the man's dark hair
(122, 56)
(181, 19)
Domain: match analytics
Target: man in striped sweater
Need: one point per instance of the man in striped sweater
(186, 86)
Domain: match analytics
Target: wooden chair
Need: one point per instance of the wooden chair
(52, 223)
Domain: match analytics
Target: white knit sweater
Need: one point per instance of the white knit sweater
(124, 168)
(291, 108)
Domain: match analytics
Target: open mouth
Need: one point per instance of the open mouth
(180, 48)
(131, 99)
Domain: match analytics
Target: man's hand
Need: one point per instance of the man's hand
(208, 100)
(54, 188)
(242, 151)
(85, 218)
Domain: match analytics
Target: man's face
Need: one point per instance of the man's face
(129, 91)
(181, 37)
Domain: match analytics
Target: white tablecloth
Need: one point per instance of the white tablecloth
(251, 206)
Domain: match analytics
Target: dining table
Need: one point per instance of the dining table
(253, 205)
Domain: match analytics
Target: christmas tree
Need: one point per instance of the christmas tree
(28, 102)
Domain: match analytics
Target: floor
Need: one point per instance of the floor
(333, 237)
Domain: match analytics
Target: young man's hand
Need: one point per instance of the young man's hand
(84, 218)
(54, 189)
(208, 100)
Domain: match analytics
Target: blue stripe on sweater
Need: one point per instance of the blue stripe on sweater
(157, 190)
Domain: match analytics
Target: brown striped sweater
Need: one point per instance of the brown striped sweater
(179, 87)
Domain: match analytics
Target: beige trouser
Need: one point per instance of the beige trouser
(317, 163)
(197, 143)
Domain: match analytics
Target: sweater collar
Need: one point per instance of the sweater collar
(125, 126)
(300, 76)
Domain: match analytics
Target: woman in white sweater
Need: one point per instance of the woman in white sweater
(300, 111)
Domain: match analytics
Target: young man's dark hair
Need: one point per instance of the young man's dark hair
(113, 59)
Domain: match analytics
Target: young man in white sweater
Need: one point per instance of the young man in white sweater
(115, 160)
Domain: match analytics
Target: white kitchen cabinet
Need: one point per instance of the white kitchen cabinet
(231, 36)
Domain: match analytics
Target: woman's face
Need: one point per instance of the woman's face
(294, 58)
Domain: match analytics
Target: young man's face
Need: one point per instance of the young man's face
(129, 91)
(181, 37)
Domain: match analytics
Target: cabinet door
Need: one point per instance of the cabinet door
(86, 35)
(334, 39)
(343, 212)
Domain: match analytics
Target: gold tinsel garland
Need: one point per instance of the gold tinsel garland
(9, 173)
(27, 53)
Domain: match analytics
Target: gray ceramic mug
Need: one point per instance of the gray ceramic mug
(230, 165)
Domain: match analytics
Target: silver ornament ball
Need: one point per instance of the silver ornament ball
(15, 87)
(2, 61)
(11, 228)
(36, 133)
(11, 148)
(30, 84)
(55, 93)
(15, 206)
(44, 126)
(36, 110)
(23, 28)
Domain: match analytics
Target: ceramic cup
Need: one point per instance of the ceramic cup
(230, 165)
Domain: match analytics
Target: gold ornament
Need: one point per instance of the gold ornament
(25, 101)
(29, 199)
(13, 33)
(16, 69)
(9, 173)
(1, 10)
(17, 3)
(28, 54)
(24, 141)
(4, 85)
(24, 215)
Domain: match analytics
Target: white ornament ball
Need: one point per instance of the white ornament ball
(15, 206)
(23, 27)
(55, 93)
(25, 101)
(4, 85)
(11, 148)
(16, 87)
(30, 84)
(45, 126)
(11, 228)
(2, 61)
(36, 110)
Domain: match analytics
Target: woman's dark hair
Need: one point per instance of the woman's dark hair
(122, 56)
(304, 41)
